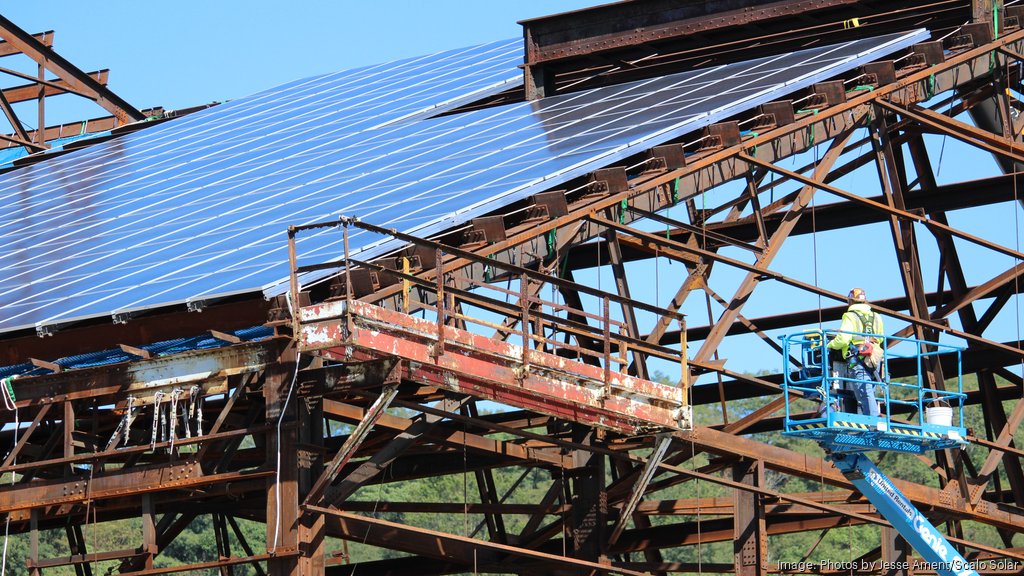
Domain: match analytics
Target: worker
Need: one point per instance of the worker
(857, 358)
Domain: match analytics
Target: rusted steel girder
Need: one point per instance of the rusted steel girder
(580, 49)
(712, 506)
(782, 141)
(68, 72)
(181, 474)
(147, 376)
(492, 369)
(353, 441)
(644, 200)
(29, 92)
(584, 33)
(441, 545)
(147, 329)
(805, 466)
(449, 436)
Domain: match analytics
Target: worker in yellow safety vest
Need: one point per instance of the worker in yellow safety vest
(857, 358)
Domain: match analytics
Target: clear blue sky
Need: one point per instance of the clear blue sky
(178, 54)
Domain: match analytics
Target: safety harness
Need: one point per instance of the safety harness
(866, 321)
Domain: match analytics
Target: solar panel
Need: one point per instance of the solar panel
(196, 209)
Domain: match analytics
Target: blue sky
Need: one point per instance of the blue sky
(186, 53)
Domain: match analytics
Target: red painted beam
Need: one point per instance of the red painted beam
(491, 369)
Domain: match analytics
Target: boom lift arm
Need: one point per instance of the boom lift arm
(904, 517)
(903, 425)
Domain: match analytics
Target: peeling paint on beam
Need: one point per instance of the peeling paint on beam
(491, 369)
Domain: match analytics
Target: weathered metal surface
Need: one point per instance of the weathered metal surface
(814, 468)
(454, 438)
(493, 369)
(434, 544)
(78, 80)
(182, 474)
(442, 376)
(145, 377)
(627, 24)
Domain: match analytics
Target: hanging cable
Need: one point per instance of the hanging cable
(814, 235)
(10, 402)
(280, 421)
(1016, 277)
(173, 417)
(194, 399)
(465, 479)
(154, 438)
(700, 546)
(124, 426)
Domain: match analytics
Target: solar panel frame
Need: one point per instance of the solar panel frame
(491, 154)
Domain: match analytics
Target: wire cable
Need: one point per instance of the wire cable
(7, 521)
(280, 420)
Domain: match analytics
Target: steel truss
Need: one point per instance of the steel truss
(503, 312)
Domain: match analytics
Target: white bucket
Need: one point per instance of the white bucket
(939, 415)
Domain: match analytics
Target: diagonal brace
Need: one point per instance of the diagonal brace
(650, 467)
(355, 439)
(67, 71)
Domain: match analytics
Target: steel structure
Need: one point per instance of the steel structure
(462, 318)
(69, 79)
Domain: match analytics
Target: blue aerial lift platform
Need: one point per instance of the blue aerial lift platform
(913, 419)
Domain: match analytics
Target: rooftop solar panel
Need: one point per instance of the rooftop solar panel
(196, 209)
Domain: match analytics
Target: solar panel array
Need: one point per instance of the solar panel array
(197, 208)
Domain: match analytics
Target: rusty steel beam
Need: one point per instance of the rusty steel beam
(44, 38)
(411, 432)
(996, 144)
(806, 466)
(715, 167)
(224, 563)
(143, 330)
(76, 79)
(142, 479)
(148, 375)
(88, 126)
(494, 370)
(29, 92)
(634, 40)
(342, 456)
(22, 136)
(721, 530)
(585, 32)
(639, 488)
(434, 432)
(441, 545)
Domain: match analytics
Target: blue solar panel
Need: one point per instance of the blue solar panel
(197, 208)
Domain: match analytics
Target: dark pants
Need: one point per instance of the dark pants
(863, 392)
